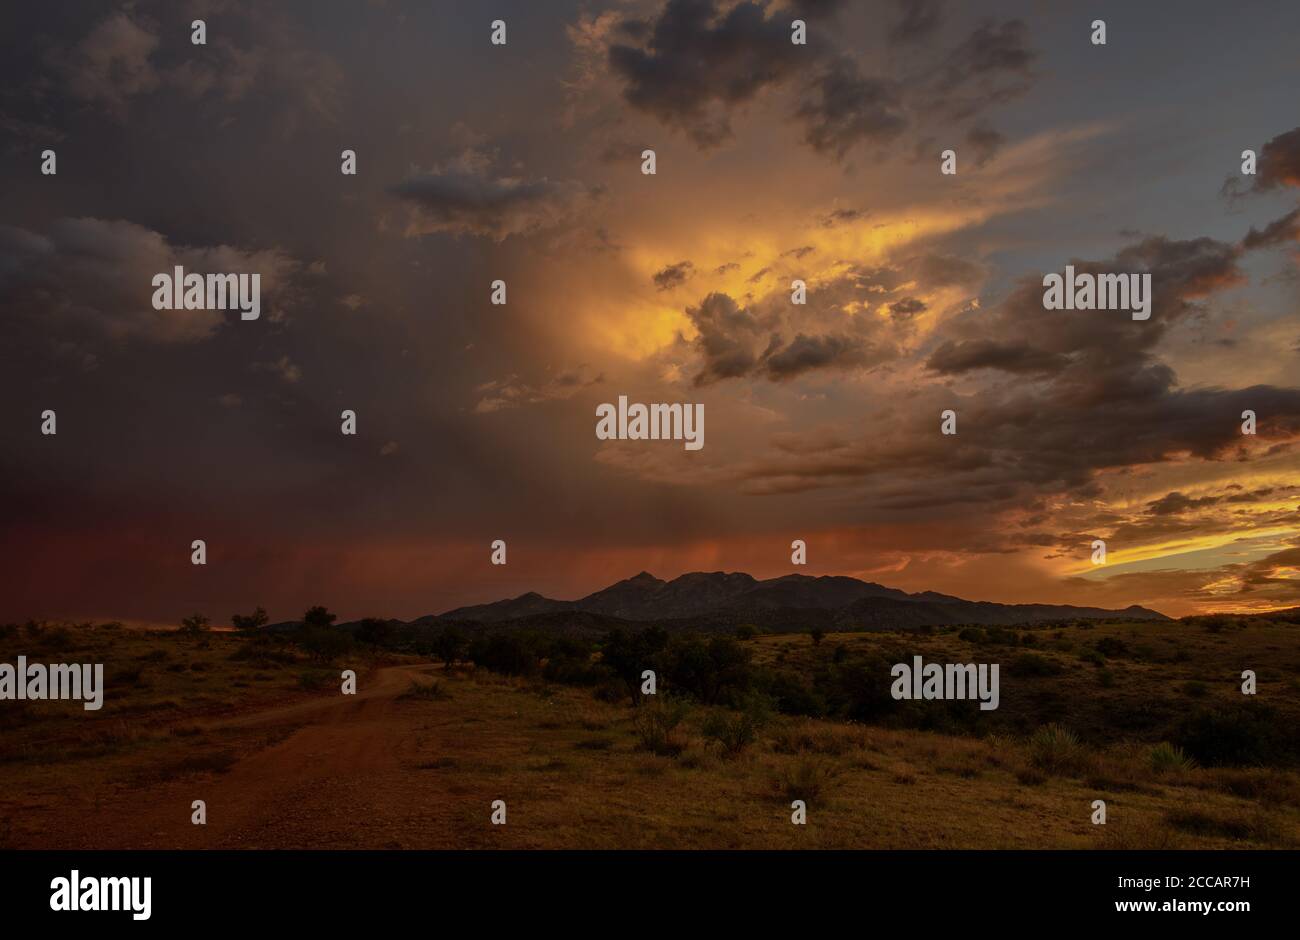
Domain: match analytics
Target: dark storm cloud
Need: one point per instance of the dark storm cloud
(954, 358)
(1088, 393)
(1093, 356)
(918, 19)
(1176, 503)
(842, 216)
(696, 56)
(985, 141)
(1279, 162)
(907, 307)
(1278, 166)
(674, 275)
(935, 271)
(85, 279)
(817, 9)
(697, 60)
(990, 67)
(807, 353)
(728, 334)
(1278, 232)
(992, 50)
(1273, 574)
(131, 54)
(750, 341)
(841, 108)
(468, 200)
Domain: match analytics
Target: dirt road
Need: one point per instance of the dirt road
(336, 781)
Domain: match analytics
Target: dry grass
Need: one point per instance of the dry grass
(581, 773)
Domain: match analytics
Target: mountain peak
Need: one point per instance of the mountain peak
(848, 603)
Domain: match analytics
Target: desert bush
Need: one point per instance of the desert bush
(375, 631)
(568, 661)
(1166, 757)
(791, 694)
(1098, 659)
(249, 622)
(733, 732)
(323, 642)
(1267, 786)
(449, 645)
(657, 726)
(507, 654)
(627, 655)
(714, 670)
(1029, 665)
(805, 777)
(854, 690)
(195, 623)
(1246, 734)
(1056, 749)
(1111, 646)
(1256, 826)
(261, 654)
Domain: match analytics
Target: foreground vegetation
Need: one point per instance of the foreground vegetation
(1148, 717)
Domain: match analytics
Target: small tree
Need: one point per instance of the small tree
(319, 617)
(324, 644)
(195, 623)
(746, 631)
(817, 634)
(449, 645)
(253, 621)
(375, 631)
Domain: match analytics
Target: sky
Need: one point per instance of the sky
(522, 162)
